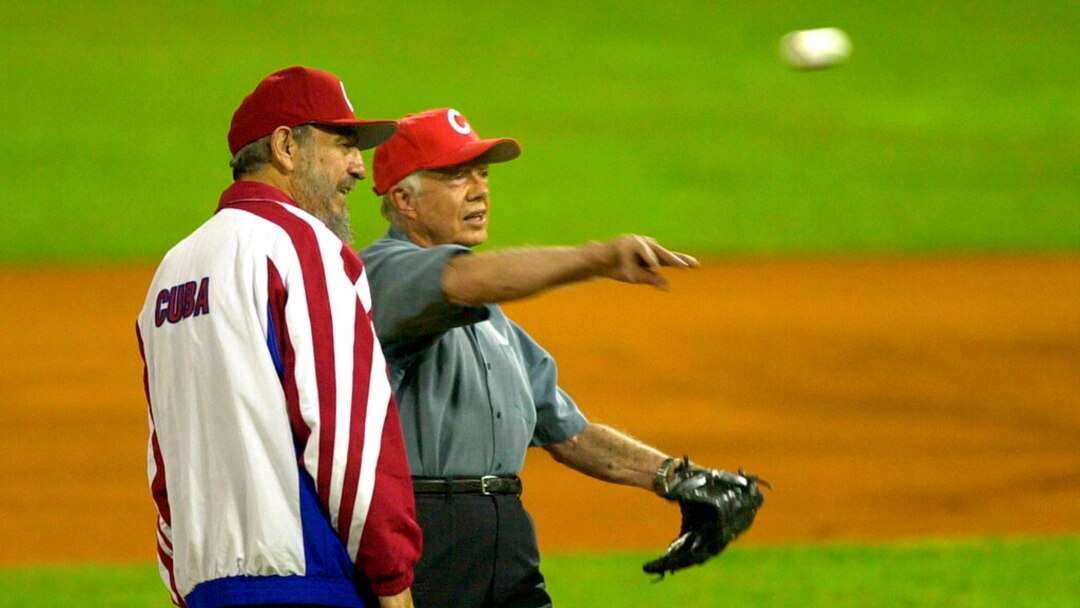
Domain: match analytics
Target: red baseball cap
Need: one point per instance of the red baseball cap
(434, 139)
(298, 96)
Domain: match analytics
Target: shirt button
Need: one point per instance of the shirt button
(488, 365)
(498, 414)
(498, 466)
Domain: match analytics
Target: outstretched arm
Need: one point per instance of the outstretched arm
(604, 453)
(510, 274)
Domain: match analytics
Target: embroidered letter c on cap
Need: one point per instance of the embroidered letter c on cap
(458, 122)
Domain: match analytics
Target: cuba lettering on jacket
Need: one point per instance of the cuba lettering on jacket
(275, 455)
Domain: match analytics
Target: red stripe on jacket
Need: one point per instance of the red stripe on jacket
(157, 485)
(362, 347)
(354, 267)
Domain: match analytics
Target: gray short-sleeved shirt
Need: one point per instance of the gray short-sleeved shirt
(473, 389)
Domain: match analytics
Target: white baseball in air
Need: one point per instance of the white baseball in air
(815, 49)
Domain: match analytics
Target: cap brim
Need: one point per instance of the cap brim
(483, 150)
(369, 133)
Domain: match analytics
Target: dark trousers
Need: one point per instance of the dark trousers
(479, 551)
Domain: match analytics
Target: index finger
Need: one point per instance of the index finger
(648, 255)
(671, 258)
(687, 259)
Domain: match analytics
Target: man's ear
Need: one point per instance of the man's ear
(404, 202)
(283, 149)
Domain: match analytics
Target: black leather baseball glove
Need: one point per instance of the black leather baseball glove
(717, 506)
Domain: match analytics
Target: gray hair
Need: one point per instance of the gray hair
(410, 183)
(255, 155)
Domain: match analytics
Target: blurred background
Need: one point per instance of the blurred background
(886, 326)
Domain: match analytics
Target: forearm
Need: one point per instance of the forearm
(510, 274)
(609, 455)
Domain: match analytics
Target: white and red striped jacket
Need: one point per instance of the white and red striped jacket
(275, 456)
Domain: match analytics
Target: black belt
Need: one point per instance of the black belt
(487, 485)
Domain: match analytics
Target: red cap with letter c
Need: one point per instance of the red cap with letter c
(431, 140)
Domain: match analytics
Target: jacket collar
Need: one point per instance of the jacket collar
(248, 192)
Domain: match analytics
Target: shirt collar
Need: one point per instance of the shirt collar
(248, 192)
(396, 233)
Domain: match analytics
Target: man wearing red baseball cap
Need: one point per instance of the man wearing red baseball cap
(474, 389)
(276, 460)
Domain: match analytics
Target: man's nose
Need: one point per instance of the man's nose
(478, 186)
(356, 164)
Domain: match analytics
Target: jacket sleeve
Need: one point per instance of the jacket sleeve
(391, 543)
(341, 410)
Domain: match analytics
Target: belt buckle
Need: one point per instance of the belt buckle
(484, 484)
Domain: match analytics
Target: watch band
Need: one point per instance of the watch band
(660, 482)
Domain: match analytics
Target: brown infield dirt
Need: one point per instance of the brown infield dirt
(884, 399)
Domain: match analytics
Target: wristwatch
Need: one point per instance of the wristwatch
(663, 475)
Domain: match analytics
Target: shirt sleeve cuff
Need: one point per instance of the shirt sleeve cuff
(568, 427)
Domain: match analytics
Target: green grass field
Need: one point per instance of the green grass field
(959, 574)
(954, 126)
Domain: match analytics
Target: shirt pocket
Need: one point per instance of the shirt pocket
(508, 381)
(521, 386)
